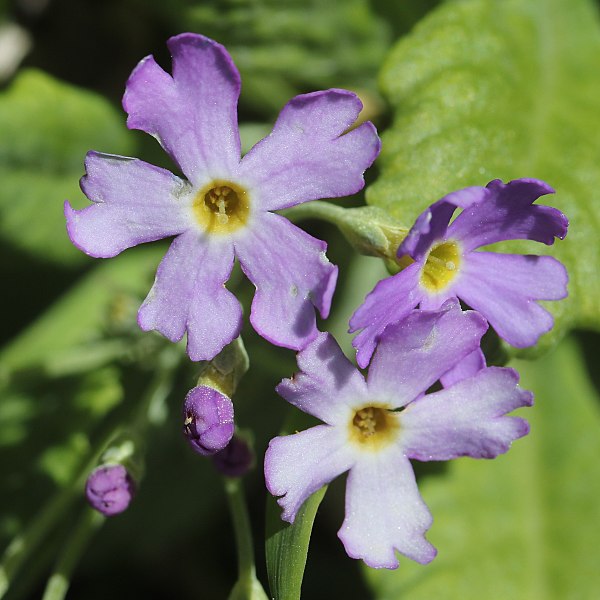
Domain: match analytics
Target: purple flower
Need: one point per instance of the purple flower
(372, 428)
(505, 288)
(207, 420)
(223, 208)
(109, 489)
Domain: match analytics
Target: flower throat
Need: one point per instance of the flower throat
(221, 207)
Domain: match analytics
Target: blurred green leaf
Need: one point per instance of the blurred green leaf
(100, 391)
(63, 461)
(287, 547)
(485, 90)
(47, 127)
(16, 410)
(524, 525)
(282, 48)
(86, 311)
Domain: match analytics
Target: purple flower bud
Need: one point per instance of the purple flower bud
(109, 489)
(208, 420)
(236, 459)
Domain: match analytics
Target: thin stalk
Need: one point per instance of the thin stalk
(58, 584)
(242, 529)
(316, 210)
(247, 587)
(23, 545)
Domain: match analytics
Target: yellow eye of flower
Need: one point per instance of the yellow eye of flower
(441, 266)
(222, 207)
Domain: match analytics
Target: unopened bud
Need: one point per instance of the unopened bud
(208, 419)
(236, 459)
(109, 489)
(372, 231)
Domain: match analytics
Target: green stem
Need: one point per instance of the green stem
(23, 545)
(149, 410)
(241, 526)
(247, 587)
(59, 581)
(325, 211)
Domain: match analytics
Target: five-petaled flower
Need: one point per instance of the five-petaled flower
(222, 209)
(372, 428)
(504, 288)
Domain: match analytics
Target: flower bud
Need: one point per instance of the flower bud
(236, 459)
(208, 419)
(373, 232)
(109, 489)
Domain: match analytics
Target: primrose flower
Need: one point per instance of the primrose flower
(504, 288)
(372, 428)
(222, 209)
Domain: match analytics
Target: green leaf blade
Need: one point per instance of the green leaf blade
(47, 129)
(287, 547)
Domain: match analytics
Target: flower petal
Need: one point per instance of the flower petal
(194, 113)
(508, 214)
(432, 223)
(134, 202)
(298, 465)
(502, 286)
(415, 353)
(467, 367)
(389, 302)
(385, 512)
(327, 384)
(306, 156)
(467, 419)
(189, 295)
(292, 276)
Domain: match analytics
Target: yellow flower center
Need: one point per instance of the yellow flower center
(221, 207)
(441, 266)
(374, 427)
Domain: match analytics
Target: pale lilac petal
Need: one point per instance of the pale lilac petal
(467, 419)
(327, 384)
(415, 353)
(508, 214)
(389, 302)
(431, 224)
(467, 367)
(431, 301)
(189, 295)
(134, 202)
(192, 114)
(385, 512)
(298, 465)
(503, 287)
(306, 156)
(292, 277)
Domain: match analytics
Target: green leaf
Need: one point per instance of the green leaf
(63, 461)
(287, 547)
(484, 90)
(47, 128)
(283, 48)
(84, 312)
(524, 525)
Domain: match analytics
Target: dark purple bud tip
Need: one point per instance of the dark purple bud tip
(207, 420)
(236, 459)
(109, 489)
